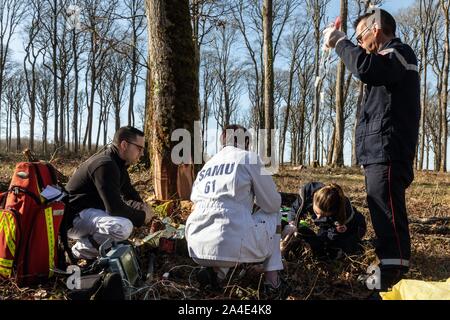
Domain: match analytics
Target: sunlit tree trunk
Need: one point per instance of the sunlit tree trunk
(172, 100)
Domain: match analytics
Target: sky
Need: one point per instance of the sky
(393, 6)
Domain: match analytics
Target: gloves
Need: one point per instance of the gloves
(331, 36)
(149, 213)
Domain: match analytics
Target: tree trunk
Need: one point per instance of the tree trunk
(269, 122)
(288, 106)
(314, 144)
(444, 92)
(62, 107)
(55, 73)
(91, 99)
(7, 128)
(133, 74)
(172, 101)
(44, 137)
(424, 101)
(338, 151)
(10, 129)
(332, 148)
(75, 95)
(18, 142)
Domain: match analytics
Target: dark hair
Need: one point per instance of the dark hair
(127, 133)
(235, 135)
(331, 198)
(388, 24)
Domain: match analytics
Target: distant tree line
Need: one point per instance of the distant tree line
(257, 62)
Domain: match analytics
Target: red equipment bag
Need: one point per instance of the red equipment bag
(29, 225)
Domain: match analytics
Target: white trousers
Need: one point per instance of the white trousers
(101, 226)
(272, 262)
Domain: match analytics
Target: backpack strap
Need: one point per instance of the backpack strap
(17, 189)
(38, 177)
(64, 239)
(65, 225)
(52, 171)
(3, 199)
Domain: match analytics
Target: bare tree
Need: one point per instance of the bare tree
(445, 10)
(249, 17)
(15, 96)
(78, 45)
(107, 88)
(227, 73)
(172, 101)
(48, 39)
(208, 84)
(114, 81)
(44, 99)
(135, 8)
(317, 10)
(65, 65)
(268, 75)
(11, 14)
(427, 14)
(30, 63)
(437, 64)
(294, 42)
(338, 148)
(99, 24)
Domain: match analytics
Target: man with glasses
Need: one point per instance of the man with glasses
(103, 204)
(387, 130)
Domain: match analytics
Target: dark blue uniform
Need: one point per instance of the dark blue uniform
(386, 137)
(328, 241)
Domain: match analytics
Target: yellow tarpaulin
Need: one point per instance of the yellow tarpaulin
(418, 290)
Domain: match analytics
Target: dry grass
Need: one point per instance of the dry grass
(428, 197)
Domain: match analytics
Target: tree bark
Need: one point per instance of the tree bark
(172, 101)
(75, 95)
(444, 92)
(269, 122)
(338, 152)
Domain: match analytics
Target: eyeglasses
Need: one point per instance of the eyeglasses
(361, 35)
(141, 148)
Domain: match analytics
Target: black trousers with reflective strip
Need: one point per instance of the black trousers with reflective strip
(386, 184)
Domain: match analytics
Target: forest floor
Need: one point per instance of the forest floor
(428, 204)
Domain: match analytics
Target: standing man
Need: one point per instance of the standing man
(103, 203)
(386, 132)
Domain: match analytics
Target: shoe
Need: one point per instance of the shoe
(374, 296)
(390, 276)
(281, 292)
(207, 279)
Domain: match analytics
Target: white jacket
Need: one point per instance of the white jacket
(222, 227)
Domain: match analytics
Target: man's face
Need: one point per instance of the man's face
(133, 149)
(366, 36)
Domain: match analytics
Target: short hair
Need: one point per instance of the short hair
(388, 24)
(331, 198)
(235, 135)
(127, 133)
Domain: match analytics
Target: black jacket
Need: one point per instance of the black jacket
(102, 182)
(355, 221)
(388, 122)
